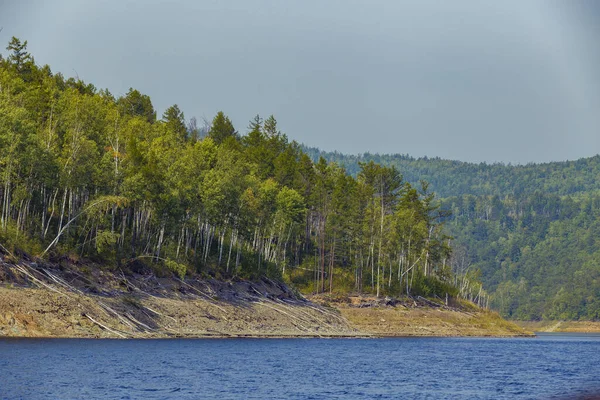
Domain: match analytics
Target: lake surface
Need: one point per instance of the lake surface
(549, 366)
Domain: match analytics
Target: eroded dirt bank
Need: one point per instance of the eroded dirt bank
(58, 301)
(423, 317)
(54, 300)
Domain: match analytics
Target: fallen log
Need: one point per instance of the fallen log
(105, 327)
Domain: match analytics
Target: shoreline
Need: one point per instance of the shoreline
(553, 326)
(267, 337)
(45, 314)
(259, 337)
(59, 302)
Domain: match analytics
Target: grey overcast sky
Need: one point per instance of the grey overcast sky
(511, 81)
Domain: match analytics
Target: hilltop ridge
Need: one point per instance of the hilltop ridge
(448, 178)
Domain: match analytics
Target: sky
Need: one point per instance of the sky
(482, 81)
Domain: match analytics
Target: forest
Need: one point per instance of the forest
(91, 176)
(455, 178)
(529, 232)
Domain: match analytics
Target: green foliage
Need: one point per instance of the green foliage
(432, 286)
(15, 241)
(529, 230)
(84, 173)
(177, 268)
(175, 122)
(221, 129)
(19, 58)
(135, 104)
(456, 178)
(105, 242)
(290, 206)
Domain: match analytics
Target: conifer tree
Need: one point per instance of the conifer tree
(221, 129)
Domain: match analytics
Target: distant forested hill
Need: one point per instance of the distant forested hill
(532, 231)
(455, 178)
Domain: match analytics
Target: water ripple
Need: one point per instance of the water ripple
(417, 368)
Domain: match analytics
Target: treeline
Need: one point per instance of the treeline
(88, 174)
(455, 178)
(530, 232)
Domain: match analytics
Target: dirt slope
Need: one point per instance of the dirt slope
(61, 302)
(66, 300)
(422, 317)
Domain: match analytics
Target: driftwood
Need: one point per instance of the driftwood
(431, 303)
(161, 314)
(36, 281)
(303, 316)
(320, 320)
(5, 250)
(105, 327)
(302, 327)
(210, 300)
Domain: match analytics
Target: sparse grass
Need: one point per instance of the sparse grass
(491, 320)
(18, 242)
(132, 301)
(400, 321)
(465, 305)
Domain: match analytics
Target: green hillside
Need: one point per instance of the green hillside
(87, 175)
(455, 178)
(531, 232)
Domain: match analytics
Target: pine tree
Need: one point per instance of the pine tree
(222, 129)
(175, 122)
(19, 57)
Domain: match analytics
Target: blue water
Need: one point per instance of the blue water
(550, 366)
